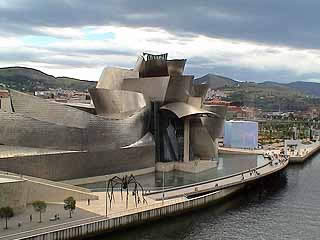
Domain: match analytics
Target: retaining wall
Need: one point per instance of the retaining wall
(111, 224)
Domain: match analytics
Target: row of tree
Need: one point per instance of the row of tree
(40, 207)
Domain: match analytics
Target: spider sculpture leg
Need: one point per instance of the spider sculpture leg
(135, 193)
(127, 197)
(117, 183)
(109, 195)
(142, 190)
(144, 200)
(113, 182)
(131, 180)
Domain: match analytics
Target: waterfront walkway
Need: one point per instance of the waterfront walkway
(95, 212)
(304, 152)
(227, 150)
(273, 165)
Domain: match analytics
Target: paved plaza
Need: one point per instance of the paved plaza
(83, 213)
(52, 209)
(117, 206)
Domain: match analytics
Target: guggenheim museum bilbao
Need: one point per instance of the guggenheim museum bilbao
(152, 113)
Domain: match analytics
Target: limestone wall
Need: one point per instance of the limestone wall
(52, 193)
(14, 195)
(18, 191)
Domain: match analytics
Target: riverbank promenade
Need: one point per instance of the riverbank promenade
(91, 218)
(305, 151)
(237, 151)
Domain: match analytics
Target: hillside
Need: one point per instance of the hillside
(268, 96)
(30, 80)
(300, 87)
(216, 81)
(310, 88)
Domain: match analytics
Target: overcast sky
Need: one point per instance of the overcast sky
(248, 40)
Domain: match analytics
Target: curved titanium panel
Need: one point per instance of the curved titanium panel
(64, 166)
(146, 140)
(155, 68)
(19, 130)
(182, 109)
(39, 123)
(176, 66)
(155, 87)
(179, 88)
(51, 112)
(199, 90)
(116, 101)
(110, 134)
(215, 125)
(112, 78)
(201, 142)
(139, 64)
(102, 134)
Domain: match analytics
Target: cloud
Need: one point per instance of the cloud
(67, 32)
(270, 22)
(251, 40)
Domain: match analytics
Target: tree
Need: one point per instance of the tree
(39, 206)
(70, 204)
(6, 212)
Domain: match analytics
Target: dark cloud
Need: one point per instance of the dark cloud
(62, 57)
(282, 23)
(285, 22)
(93, 51)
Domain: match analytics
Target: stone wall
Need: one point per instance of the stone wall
(100, 227)
(14, 194)
(53, 193)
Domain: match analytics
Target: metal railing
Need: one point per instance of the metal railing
(216, 180)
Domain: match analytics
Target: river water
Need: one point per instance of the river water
(286, 207)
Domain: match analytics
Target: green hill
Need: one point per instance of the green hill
(310, 88)
(216, 81)
(268, 96)
(30, 80)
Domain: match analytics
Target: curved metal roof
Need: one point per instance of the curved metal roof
(116, 101)
(182, 109)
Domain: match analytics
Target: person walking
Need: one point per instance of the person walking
(30, 217)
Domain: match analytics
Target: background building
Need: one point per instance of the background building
(241, 134)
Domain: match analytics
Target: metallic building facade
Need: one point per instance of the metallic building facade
(139, 116)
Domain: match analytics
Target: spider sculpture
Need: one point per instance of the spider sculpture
(124, 184)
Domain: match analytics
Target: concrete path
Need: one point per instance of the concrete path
(28, 227)
(240, 151)
(305, 151)
(84, 214)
